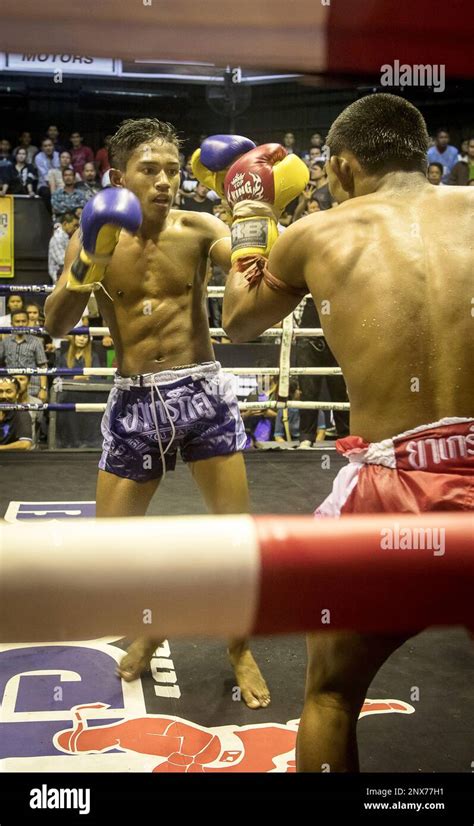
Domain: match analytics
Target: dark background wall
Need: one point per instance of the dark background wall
(96, 107)
(263, 112)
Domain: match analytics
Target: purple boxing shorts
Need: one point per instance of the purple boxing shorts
(148, 417)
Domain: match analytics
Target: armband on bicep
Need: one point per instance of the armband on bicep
(254, 269)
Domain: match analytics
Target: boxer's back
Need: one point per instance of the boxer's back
(397, 270)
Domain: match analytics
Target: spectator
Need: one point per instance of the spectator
(89, 185)
(464, 148)
(15, 425)
(6, 165)
(23, 178)
(79, 355)
(306, 204)
(69, 198)
(314, 352)
(24, 350)
(24, 142)
(289, 143)
(442, 152)
(35, 315)
(434, 173)
(45, 161)
(198, 201)
(80, 154)
(14, 302)
(463, 171)
(58, 244)
(52, 133)
(293, 417)
(259, 422)
(55, 176)
(102, 157)
(25, 397)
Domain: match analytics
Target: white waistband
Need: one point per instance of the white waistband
(383, 453)
(195, 371)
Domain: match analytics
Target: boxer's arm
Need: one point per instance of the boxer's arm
(218, 241)
(250, 310)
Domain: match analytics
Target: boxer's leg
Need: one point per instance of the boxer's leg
(341, 666)
(116, 497)
(222, 481)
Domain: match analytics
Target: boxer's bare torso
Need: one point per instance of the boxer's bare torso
(158, 313)
(395, 269)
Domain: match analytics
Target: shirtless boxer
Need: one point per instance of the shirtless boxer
(395, 261)
(150, 285)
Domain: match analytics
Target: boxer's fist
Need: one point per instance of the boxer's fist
(102, 220)
(258, 186)
(211, 162)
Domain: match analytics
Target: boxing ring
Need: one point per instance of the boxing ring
(235, 576)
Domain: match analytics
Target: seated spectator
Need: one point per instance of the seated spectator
(89, 185)
(80, 154)
(318, 178)
(102, 157)
(24, 350)
(23, 177)
(293, 417)
(14, 302)
(6, 164)
(55, 176)
(464, 147)
(35, 314)
(307, 204)
(463, 170)
(68, 223)
(52, 133)
(69, 198)
(259, 422)
(434, 173)
(289, 143)
(45, 161)
(198, 201)
(80, 354)
(15, 425)
(442, 152)
(25, 397)
(314, 155)
(24, 142)
(223, 212)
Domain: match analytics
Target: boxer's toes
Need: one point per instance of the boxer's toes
(253, 688)
(136, 660)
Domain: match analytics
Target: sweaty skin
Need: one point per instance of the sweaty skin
(154, 303)
(391, 274)
(390, 270)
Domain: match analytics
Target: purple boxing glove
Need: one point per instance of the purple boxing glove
(217, 153)
(102, 220)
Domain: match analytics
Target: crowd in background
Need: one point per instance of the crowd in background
(66, 173)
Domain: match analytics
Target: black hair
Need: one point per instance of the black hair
(441, 129)
(439, 165)
(133, 132)
(12, 380)
(384, 132)
(18, 312)
(66, 217)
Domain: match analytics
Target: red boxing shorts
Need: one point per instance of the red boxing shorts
(429, 468)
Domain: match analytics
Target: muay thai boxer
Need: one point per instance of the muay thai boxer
(399, 283)
(146, 263)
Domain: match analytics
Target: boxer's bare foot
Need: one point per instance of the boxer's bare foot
(137, 659)
(253, 688)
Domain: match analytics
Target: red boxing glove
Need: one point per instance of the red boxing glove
(258, 186)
